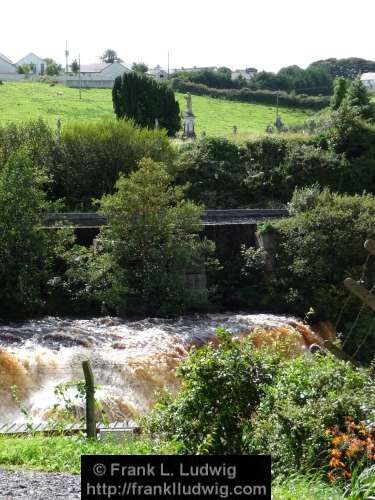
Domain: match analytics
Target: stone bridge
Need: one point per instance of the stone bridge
(229, 229)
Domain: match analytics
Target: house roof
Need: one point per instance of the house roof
(97, 68)
(5, 58)
(94, 68)
(28, 55)
(368, 76)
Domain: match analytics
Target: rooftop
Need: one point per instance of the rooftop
(5, 58)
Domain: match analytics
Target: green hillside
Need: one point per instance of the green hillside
(25, 100)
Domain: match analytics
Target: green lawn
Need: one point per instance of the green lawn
(26, 100)
(63, 454)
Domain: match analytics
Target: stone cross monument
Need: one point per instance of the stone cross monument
(189, 118)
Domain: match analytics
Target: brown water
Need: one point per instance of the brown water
(131, 360)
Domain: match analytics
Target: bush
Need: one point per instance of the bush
(26, 250)
(215, 172)
(220, 389)
(94, 154)
(321, 245)
(253, 96)
(308, 396)
(152, 242)
(235, 399)
(84, 160)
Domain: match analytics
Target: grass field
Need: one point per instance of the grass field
(26, 100)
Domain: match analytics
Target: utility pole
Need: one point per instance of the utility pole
(66, 57)
(277, 107)
(79, 76)
(168, 63)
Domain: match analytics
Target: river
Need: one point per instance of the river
(132, 359)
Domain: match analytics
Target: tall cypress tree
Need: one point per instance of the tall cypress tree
(143, 99)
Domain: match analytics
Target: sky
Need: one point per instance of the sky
(266, 34)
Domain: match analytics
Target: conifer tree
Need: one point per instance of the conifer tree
(142, 99)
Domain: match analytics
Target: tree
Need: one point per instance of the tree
(140, 67)
(225, 71)
(25, 68)
(340, 88)
(143, 99)
(75, 66)
(151, 240)
(358, 99)
(110, 56)
(25, 248)
(52, 67)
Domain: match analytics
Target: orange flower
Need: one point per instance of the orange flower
(336, 463)
(337, 440)
(336, 453)
(331, 477)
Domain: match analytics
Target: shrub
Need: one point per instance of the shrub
(152, 241)
(319, 246)
(307, 396)
(94, 154)
(85, 159)
(253, 96)
(220, 389)
(214, 171)
(26, 250)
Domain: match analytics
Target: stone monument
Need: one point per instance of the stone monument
(189, 118)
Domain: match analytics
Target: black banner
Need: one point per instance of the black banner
(176, 477)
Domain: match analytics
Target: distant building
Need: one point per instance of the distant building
(158, 72)
(6, 66)
(194, 68)
(38, 63)
(247, 73)
(8, 70)
(368, 80)
(101, 75)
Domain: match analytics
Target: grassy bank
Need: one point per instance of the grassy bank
(63, 454)
(20, 101)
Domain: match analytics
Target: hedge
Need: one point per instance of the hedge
(253, 96)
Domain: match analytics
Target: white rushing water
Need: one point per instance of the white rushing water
(131, 360)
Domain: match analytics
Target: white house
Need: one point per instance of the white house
(8, 70)
(158, 72)
(368, 80)
(101, 75)
(6, 65)
(247, 73)
(38, 63)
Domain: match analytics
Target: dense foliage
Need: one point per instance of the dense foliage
(84, 160)
(263, 96)
(320, 245)
(315, 80)
(306, 398)
(264, 172)
(220, 390)
(26, 250)
(143, 257)
(217, 79)
(237, 399)
(144, 100)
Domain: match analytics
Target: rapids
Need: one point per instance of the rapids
(131, 360)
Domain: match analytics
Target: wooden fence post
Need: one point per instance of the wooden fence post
(90, 400)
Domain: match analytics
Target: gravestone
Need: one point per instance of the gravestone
(189, 119)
